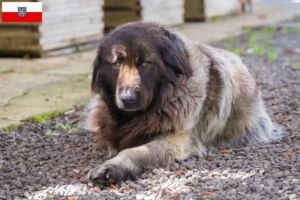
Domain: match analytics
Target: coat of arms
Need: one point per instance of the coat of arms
(22, 11)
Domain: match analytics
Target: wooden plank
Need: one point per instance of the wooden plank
(71, 32)
(73, 7)
(70, 41)
(71, 49)
(17, 42)
(20, 53)
(20, 48)
(68, 12)
(121, 5)
(90, 17)
(194, 10)
(19, 34)
(116, 18)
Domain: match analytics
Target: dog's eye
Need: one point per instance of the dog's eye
(145, 64)
(117, 64)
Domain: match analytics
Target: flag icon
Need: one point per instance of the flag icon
(22, 12)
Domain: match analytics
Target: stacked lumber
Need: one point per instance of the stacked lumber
(201, 10)
(194, 10)
(169, 12)
(68, 26)
(118, 12)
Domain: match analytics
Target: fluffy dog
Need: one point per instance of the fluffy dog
(160, 97)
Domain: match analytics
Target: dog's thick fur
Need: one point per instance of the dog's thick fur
(191, 96)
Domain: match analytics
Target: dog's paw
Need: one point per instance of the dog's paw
(109, 172)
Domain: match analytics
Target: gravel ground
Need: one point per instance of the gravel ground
(50, 160)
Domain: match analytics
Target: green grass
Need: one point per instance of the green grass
(27, 70)
(7, 70)
(272, 55)
(49, 133)
(9, 129)
(252, 39)
(268, 42)
(218, 19)
(291, 30)
(269, 31)
(43, 118)
(296, 65)
(69, 128)
(258, 50)
(238, 51)
(80, 48)
(229, 39)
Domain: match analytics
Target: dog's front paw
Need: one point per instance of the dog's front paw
(106, 172)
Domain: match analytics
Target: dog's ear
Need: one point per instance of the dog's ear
(174, 54)
(96, 65)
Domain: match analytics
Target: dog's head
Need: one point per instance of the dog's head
(135, 62)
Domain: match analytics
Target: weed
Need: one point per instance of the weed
(69, 128)
(45, 117)
(27, 70)
(49, 133)
(291, 30)
(296, 65)
(272, 55)
(252, 39)
(259, 50)
(270, 31)
(268, 42)
(7, 70)
(9, 129)
(229, 39)
(218, 19)
(79, 48)
(238, 51)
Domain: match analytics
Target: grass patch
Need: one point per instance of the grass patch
(268, 42)
(296, 65)
(229, 39)
(217, 19)
(291, 30)
(269, 31)
(69, 128)
(252, 39)
(80, 48)
(9, 129)
(272, 55)
(258, 50)
(7, 70)
(43, 118)
(27, 70)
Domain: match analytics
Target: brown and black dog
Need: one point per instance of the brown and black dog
(160, 97)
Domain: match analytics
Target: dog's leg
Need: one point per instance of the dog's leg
(130, 163)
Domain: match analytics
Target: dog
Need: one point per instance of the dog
(159, 97)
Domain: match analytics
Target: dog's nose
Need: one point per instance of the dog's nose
(128, 96)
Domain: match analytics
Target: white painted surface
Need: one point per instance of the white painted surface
(169, 12)
(220, 7)
(65, 24)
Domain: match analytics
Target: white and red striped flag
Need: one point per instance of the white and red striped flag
(22, 12)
